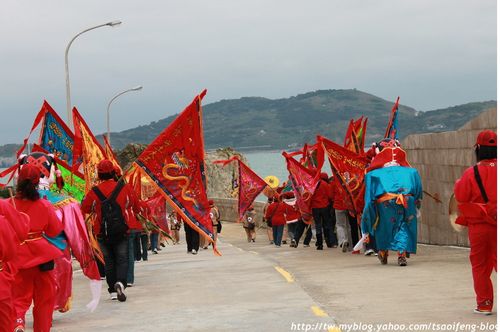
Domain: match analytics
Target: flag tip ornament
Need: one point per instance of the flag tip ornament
(272, 181)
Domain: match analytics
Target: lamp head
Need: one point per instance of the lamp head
(114, 23)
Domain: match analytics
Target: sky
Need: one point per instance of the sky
(433, 54)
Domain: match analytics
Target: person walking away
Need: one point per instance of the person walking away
(14, 227)
(215, 217)
(110, 200)
(269, 228)
(34, 281)
(320, 204)
(135, 228)
(249, 223)
(276, 213)
(292, 216)
(476, 194)
(175, 226)
(192, 239)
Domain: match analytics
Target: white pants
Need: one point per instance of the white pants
(343, 227)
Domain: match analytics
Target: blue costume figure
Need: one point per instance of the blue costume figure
(392, 197)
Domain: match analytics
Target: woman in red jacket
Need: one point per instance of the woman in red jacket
(276, 213)
(34, 281)
(476, 194)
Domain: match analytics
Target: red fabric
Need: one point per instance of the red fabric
(34, 285)
(43, 218)
(349, 170)
(467, 191)
(292, 213)
(388, 155)
(339, 198)
(276, 211)
(158, 212)
(391, 130)
(126, 199)
(174, 163)
(304, 182)
(6, 311)
(483, 258)
(322, 196)
(355, 135)
(63, 278)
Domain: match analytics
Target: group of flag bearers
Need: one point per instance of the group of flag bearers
(377, 187)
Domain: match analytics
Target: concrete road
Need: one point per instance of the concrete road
(258, 287)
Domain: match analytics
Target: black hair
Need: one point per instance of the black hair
(27, 190)
(485, 152)
(106, 176)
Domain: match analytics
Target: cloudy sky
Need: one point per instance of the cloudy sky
(432, 53)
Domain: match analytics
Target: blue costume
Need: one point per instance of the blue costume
(392, 196)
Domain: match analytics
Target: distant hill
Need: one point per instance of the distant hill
(258, 123)
(255, 122)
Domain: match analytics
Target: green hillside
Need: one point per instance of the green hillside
(282, 123)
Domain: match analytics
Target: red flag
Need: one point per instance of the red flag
(174, 163)
(349, 170)
(355, 135)
(110, 154)
(392, 126)
(157, 206)
(304, 182)
(250, 185)
(88, 148)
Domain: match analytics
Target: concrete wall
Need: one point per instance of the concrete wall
(441, 159)
(228, 208)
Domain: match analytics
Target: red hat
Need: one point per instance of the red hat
(487, 138)
(30, 172)
(211, 202)
(323, 176)
(105, 166)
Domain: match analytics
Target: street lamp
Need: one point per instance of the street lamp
(68, 98)
(137, 88)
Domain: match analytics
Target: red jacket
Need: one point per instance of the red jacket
(339, 195)
(322, 196)
(43, 220)
(127, 200)
(276, 211)
(292, 213)
(470, 201)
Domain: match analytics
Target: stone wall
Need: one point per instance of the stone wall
(441, 158)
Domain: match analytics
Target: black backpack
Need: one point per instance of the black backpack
(113, 225)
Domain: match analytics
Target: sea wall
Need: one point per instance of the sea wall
(441, 158)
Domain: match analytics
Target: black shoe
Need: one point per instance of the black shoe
(162, 244)
(319, 248)
(382, 256)
(119, 292)
(402, 261)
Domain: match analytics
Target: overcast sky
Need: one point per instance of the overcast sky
(432, 53)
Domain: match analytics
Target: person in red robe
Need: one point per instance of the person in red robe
(34, 282)
(476, 194)
(13, 230)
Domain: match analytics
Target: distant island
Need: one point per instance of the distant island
(256, 123)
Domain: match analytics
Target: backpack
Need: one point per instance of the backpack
(113, 225)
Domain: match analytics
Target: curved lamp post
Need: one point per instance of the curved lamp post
(68, 98)
(137, 88)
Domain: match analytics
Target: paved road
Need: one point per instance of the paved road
(257, 287)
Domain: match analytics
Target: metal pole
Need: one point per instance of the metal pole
(66, 67)
(137, 88)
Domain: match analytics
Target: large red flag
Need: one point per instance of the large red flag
(174, 163)
(250, 185)
(304, 182)
(349, 170)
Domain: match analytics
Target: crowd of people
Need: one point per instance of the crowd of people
(30, 227)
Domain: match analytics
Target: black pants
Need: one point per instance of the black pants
(301, 225)
(141, 247)
(192, 238)
(116, 261)
(353, 222)
(323, 222)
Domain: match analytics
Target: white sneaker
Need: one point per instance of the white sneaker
(369, 252)
(194, 252)
(113, 296)
(120, 292)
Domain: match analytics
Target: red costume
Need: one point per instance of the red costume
(31, 283)
(126, 199)
(13, 230)
(480, 217)
(276, 212)
(322, 195)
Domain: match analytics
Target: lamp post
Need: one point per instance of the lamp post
(68, 97)
(137, 88)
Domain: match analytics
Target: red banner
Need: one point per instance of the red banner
(174, 163)
(349, 169)
(355, 136)
(250, 185)
(88, 148)
(304, 182)
(392, 126)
